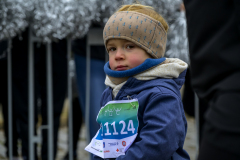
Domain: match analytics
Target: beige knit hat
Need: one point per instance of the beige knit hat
(139, 28)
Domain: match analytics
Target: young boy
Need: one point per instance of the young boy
(142, 115)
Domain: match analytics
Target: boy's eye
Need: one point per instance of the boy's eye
(111, 49)
(129, 46)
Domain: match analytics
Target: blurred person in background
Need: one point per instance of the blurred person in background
(20, 88)
(214, 43)
(188, 96)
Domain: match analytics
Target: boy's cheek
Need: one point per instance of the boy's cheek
(136, 61)
(111, 64)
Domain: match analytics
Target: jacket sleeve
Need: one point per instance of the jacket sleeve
(163, 131)
(99, 158)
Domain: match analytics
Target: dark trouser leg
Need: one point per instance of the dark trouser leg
(20, 89)
(4, 102)
(77, 123)
(14, 130)
(209, 151)
(20, 105)
(221, 131)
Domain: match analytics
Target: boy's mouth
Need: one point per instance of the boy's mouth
(121, 68)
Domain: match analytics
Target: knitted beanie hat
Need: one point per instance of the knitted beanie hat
(138, 28)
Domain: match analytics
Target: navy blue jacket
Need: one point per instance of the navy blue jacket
(162, 122)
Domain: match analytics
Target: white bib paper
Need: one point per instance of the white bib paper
(119, 125)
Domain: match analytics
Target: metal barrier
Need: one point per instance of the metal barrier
(32, 138)
(94, 37)
(197, 122)
(70, 114)
(9, 67)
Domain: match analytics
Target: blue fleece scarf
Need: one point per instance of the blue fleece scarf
(148, 63)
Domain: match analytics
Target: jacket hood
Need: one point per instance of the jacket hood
(136, 86)
(171, 68)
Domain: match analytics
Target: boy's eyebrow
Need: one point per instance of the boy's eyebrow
(112, 43)
(109, 44)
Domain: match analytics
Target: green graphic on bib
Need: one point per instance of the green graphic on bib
(118, 129)
(118, 120)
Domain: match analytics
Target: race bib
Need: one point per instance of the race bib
(118, 129)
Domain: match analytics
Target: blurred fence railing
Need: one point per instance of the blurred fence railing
(94, 37)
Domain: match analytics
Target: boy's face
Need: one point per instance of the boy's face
(124, 54)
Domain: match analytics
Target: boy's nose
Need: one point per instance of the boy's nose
(119, 54)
